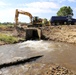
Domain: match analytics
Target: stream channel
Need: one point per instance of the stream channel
(53, 52)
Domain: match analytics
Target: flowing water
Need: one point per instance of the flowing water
(53, 52)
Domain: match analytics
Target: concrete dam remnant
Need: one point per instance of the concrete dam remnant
(33, 33)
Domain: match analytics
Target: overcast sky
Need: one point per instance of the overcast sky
(41, 8)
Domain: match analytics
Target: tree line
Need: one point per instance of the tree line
(6, 23)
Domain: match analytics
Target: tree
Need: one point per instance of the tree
(65, 11)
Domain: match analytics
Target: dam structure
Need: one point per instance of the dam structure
(33, 34)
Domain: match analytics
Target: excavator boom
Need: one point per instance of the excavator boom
(24, 13)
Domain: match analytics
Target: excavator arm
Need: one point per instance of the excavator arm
(21, 12)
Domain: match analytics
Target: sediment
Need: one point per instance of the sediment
(62, 33)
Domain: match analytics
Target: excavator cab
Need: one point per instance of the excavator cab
(37, 21)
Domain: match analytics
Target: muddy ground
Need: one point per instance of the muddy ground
(56, 33)
(37, 69)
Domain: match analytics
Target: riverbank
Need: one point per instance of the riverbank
(8, 35)
(64, 33)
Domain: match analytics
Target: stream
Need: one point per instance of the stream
(53, 52)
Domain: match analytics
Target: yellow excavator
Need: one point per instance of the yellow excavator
(35, 21)
(21, 27)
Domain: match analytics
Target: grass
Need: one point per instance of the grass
(8, 39)
(2, 25)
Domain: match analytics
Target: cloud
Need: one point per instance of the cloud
(74, 9)
(61, 1)
(37, 10)
(72, 0)
(2, 3)
(7, 15)
(42, 5)
(40, 9)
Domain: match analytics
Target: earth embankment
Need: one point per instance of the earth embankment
(64, 33)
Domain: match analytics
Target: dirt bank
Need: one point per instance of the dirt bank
(9, 35)
(62, 33)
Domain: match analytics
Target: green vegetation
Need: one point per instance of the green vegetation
(6, 36)
(8, 39)
(65, 11)
(6, 24)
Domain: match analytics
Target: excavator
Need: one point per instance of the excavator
(35, 21)
(21, 27)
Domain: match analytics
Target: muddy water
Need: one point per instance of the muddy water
(55, 52)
